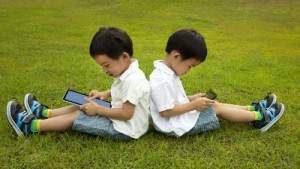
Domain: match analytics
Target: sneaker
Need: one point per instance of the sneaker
(270, 117)
(34, 107)
(266, 103)
(19, 119)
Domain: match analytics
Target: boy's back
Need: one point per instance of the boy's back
(174, 113)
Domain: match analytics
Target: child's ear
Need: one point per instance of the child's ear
(176, 55)
(125, 55)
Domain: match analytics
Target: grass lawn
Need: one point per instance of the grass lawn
(253, 49)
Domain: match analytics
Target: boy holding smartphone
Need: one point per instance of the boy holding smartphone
(176, 114)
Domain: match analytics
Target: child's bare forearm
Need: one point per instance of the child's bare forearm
(191, 98)
(105, 94)
(108, 92)
(178, 110)
(123, 113)
(199, 104)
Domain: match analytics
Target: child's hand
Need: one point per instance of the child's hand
(203, 103)
(196, 96)
(101, 95)
(90, 108)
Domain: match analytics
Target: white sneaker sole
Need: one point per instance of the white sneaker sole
(274, 100)
(26, 103)
(11, 121)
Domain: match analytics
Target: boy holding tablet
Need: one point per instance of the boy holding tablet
(128, 117)
(176, 114)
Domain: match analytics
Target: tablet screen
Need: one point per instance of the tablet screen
(79, 99)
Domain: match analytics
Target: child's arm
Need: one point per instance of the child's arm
(123, 113)
(199, 104)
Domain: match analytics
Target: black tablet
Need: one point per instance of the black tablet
(78, 98)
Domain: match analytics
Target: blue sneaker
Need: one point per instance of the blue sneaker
(34, 107)
(19, 119)
(270, 117)
(266, 103)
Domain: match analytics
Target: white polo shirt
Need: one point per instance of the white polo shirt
(166, 92)
(132, 86)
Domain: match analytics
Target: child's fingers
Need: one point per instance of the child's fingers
(93, 97)
(209, 102)
(82, 107)
(89, 100)
(202, 94)
(93, 93)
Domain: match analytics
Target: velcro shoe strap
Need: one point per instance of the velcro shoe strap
(266, 115)
(28, 118)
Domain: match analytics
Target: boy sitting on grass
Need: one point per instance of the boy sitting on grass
(111, 48)
(176, 114)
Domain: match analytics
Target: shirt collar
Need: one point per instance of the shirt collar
(158, 64)
(133, 67)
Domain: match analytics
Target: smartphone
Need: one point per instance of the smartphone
(211, 95)
(78, 98)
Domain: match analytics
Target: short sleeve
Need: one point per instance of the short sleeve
(164, 96)
(133, 91)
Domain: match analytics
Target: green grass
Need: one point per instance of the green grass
(253, 49)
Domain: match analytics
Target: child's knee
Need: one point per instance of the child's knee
(75, 114)
(75, 107)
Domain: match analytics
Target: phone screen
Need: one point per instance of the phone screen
(79, 99)
(211, 95)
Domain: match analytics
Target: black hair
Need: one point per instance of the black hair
(111, 41)
(189, 43)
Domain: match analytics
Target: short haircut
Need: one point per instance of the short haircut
(111, 41)
(189, 43)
